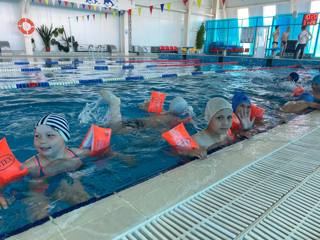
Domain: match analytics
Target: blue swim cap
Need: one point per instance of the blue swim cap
(294, 76)
(316, 79)
(239, 98)
(307, 97)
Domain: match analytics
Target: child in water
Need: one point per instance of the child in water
(179, 111)
(306, 100)
(54, 157)
(218, 114)
(246, 115)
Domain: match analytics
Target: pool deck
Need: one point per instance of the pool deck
(118, 213)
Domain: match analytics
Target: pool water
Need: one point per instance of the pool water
(145, 153)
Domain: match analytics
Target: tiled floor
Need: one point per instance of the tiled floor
(118, 213)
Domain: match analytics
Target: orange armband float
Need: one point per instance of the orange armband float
(236, 124)
(97, 140)
(179, 137)
(10, 167)
(156, 102)
(298, 91)
(256, 112)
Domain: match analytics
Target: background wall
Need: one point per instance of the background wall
(167, 27)
(256, 7)
(160, 28)
(10, 14)
(100, 30)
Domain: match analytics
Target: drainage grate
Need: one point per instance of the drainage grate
(297, 217)
(273, 198)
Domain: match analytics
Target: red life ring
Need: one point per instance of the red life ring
(26, 26)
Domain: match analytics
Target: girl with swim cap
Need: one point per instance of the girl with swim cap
(218, 114)
(50, 136)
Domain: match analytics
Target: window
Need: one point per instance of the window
(268, 13)
(243, 15)
(243, 21)
(315, 7)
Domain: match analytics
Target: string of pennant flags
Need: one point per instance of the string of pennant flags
(107, 10)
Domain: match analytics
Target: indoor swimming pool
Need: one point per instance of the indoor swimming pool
(68, 87)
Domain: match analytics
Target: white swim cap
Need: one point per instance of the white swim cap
(214, 105)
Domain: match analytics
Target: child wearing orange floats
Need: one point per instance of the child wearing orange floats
(179, 111)
(54, 157)
(245, 114)
(218, 114)
(306, 100)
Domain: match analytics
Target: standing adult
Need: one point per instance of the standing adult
(303, 39)
(275, 42)
(284, 41)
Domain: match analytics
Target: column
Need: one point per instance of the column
(25, 6)
(187, 24)
(124, 33)
(293, 6)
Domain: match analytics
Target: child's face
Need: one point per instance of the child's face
(221, 122)
(316, 88)
(48, 142)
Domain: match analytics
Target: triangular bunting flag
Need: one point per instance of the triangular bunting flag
(223, 2)
(151, 8)
(94, 7)
(33, 1)
(129, 12)
(46, 2)
(168, 6)
(139, 11)
(77, 18)
(72, 4)
(94, 16)
(59, 2)
(82, 18)
(185, 2)
(40, 1)
(199, 3)
(114, 13)
(89, 7)
(88, 16)
(83, 6)
(162, 6)
(65, 3)
(106, 15)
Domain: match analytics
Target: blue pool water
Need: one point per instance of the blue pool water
(147, 154)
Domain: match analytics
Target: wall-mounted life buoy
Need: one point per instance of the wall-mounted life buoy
(26, 26)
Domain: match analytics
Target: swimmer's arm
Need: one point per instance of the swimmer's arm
(314, 105)
(63, 165)
(125, 157)
(82, 153)
(3, 201)
(294, 106)
(144, 106)
(200, 153)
